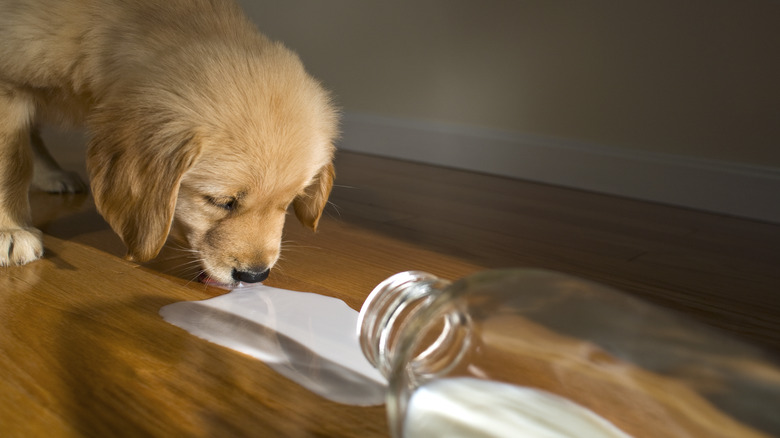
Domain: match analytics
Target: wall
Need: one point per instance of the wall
(680, 82)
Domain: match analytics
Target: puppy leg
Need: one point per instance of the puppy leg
(48, 176)
(20, 243)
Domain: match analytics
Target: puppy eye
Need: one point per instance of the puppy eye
(228, 204)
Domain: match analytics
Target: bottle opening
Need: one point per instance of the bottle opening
(388, 309)
(442, 345)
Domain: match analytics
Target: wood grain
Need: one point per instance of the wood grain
(83, 351)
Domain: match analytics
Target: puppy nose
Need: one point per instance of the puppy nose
(251, 275)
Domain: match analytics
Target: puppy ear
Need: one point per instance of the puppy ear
(135, 179)
(309, 205)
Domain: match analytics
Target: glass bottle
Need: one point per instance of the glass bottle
(524, 352)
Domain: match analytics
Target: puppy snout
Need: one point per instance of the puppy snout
(251, 275)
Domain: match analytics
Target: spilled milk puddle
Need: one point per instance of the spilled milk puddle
(308, 338)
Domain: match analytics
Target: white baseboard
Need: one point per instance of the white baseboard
(751, 192)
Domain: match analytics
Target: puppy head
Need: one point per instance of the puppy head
(215, 159)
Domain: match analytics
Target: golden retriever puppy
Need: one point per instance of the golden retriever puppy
(200, 127)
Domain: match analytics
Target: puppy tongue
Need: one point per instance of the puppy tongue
(205, 279)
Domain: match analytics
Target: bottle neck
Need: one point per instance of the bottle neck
(386, 311)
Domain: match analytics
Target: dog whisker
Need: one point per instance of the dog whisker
(184, 268)
(290, 245)
(184, 249)
(278, 268)
(296, 247)
(196, 276)
(334, 208)
(173, 257)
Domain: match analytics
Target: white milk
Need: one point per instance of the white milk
(308, 338)
(467, 407)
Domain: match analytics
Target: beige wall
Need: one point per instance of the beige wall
(697, 78)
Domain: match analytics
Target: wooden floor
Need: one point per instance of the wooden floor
(83, 351)
(720, 270)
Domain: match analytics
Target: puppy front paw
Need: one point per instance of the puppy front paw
(19, 246)
(58, 181)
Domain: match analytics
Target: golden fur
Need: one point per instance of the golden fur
(200, 127)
